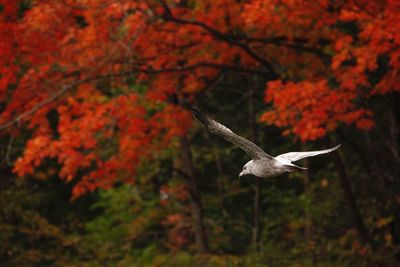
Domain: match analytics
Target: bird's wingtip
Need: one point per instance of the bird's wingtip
(200, 116)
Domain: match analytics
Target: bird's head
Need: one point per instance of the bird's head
(247, 169)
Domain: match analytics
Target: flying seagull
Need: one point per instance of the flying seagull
(261, 164)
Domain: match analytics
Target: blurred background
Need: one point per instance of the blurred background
(102, 164)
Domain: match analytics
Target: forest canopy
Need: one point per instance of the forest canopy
(103, 165)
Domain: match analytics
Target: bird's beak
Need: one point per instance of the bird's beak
(240, 174)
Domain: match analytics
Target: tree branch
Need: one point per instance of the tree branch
(168, 16)
(17, 119)
(235, 39)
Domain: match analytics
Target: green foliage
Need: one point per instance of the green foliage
(29, 235)
(127, 222)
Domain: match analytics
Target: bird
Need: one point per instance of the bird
(261, 164)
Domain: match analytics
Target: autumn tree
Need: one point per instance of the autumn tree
(100, 87)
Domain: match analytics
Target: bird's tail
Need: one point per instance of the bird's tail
(294, 167)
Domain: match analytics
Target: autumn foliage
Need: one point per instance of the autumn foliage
(71, 52)
(98, 87)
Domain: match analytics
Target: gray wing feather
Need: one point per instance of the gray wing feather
(217, 128)
(295, 156)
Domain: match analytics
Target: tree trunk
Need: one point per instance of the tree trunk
(197, 207)
(257, 229)
(350, 199)
(221, 180)
(308, 191)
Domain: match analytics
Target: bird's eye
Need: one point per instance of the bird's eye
(244, 168)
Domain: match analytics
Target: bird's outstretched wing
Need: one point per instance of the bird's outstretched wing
(216, 128)
(295, 156)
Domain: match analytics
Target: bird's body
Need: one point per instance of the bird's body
(262, 164)
(265, 168)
